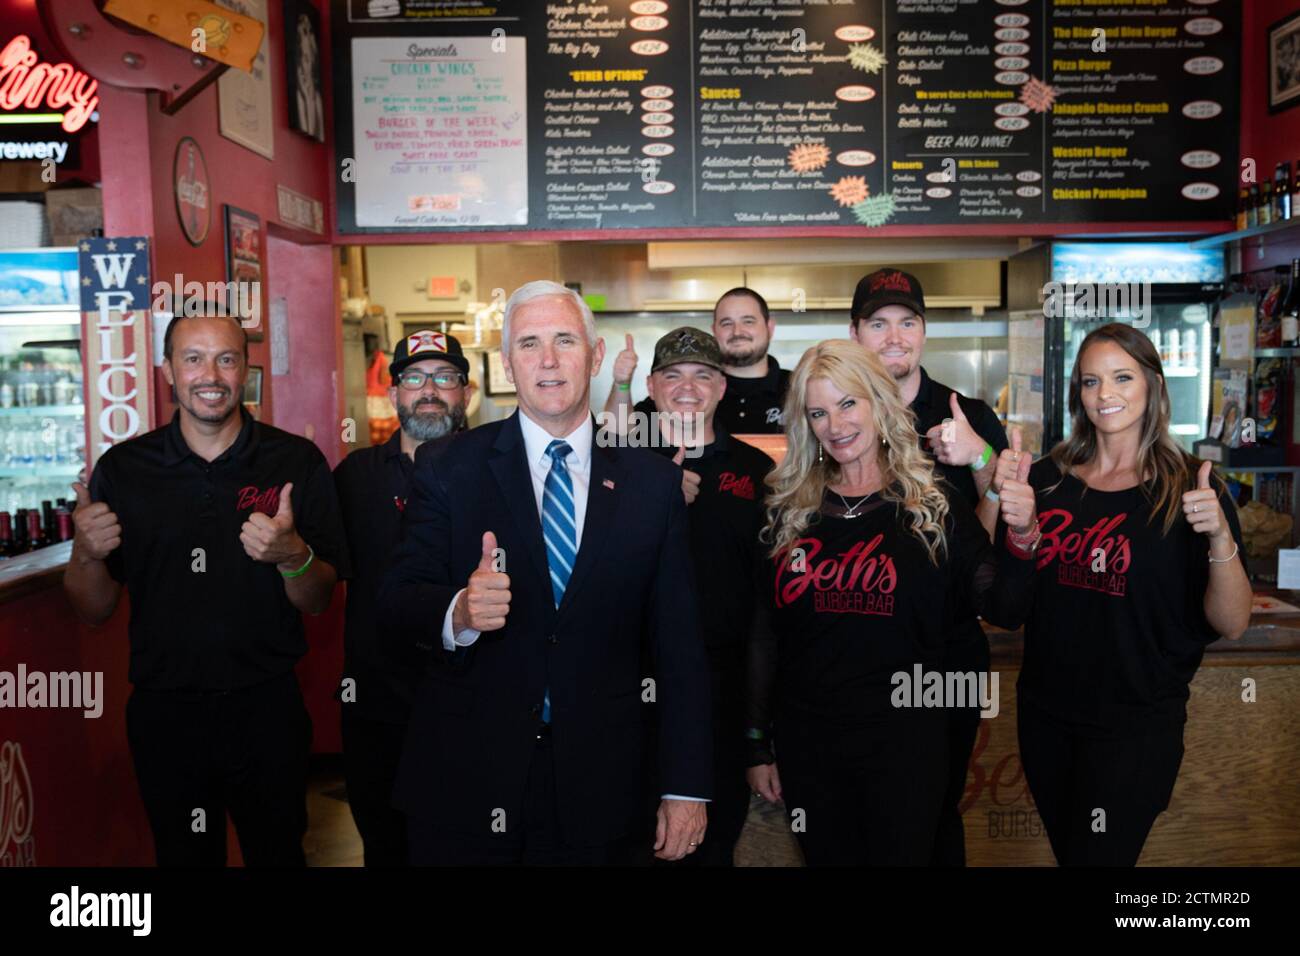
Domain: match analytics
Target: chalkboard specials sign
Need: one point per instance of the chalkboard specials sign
(662, 114)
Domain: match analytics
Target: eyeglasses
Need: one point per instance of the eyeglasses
(414, 380)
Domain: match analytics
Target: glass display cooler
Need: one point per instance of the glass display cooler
(1044, 334)
(42, 399)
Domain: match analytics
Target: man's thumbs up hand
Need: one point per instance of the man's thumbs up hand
(486, 600)
(690, 479)
(273, 539)
(625, 363)
(96, 531)
(954, 442)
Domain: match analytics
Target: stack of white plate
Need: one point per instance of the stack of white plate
(23, 225)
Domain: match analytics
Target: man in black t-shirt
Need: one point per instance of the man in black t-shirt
(724, 490)
(430, 389)
(756, 385)
(964, 437)
(224, 531)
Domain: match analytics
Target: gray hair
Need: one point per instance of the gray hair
(540, 288)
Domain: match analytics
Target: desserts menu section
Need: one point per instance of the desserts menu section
(649, 114)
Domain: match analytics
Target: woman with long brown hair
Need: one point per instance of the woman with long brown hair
(1139, 569)
(869, 563)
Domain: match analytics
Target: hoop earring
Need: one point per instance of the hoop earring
(884, 440)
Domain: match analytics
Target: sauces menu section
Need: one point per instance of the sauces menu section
(653, 114)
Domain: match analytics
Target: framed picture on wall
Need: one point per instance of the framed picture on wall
(494, 374)
(244, 270)
(244, 100)
(253, 391)
(302, 47)
(1284, 63)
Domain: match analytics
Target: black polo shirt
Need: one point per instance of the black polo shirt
(750, 406)
(932, 406)
(725, 520)
(226, 623)
(373, 485)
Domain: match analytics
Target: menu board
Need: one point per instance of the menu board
(688, 114)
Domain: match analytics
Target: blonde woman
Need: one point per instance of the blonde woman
(869, 562)
(1140, 568)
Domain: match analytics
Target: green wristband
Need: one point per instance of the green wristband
(623, 386)
(983, 459)
(311, 556)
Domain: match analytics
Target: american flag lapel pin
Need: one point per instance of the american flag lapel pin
(608, 483)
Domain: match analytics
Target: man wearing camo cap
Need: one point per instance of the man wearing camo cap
(723, 486)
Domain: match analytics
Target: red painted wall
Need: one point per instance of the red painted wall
(245, 179)
(1268, 138)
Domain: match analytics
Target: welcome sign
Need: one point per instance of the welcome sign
(114, 279)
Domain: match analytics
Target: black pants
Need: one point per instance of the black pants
(1072, 777)
(536, 841)
(244, 752)
(870, 796)
(371, 752)
(963, 728)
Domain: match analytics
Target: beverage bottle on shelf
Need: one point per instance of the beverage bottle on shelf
(1243, 199)
(20, 529)
(36, 538)
(1295, 190)
(8, 547)
(1266, 204)
(1154, 334)
(1291, 309)
(6, 395)
(1252, 206)
(1282, 192)
(63, 520)
(1172, 349)
(1189, 348)
(47, 519)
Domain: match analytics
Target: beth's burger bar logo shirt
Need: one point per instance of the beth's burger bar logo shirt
(1117, 627)
(865, 602)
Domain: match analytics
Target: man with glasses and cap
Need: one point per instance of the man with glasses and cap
(430, 391)
(964, 437)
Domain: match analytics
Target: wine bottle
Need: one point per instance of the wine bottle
(35, 534)
(8, 547)
(1291, 309)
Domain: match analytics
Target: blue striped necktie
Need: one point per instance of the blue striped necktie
(559, 530)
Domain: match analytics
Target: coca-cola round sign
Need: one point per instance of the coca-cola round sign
(193, 191)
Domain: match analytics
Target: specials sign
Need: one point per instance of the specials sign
(114, 278)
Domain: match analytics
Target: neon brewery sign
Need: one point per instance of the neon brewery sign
(27, 87)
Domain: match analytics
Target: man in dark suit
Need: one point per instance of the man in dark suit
(536, 564)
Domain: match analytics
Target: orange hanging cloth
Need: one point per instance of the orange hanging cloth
(380, 411)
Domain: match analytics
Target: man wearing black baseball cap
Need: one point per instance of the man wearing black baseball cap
(430, 391)
(964, 436)
(723, 485)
